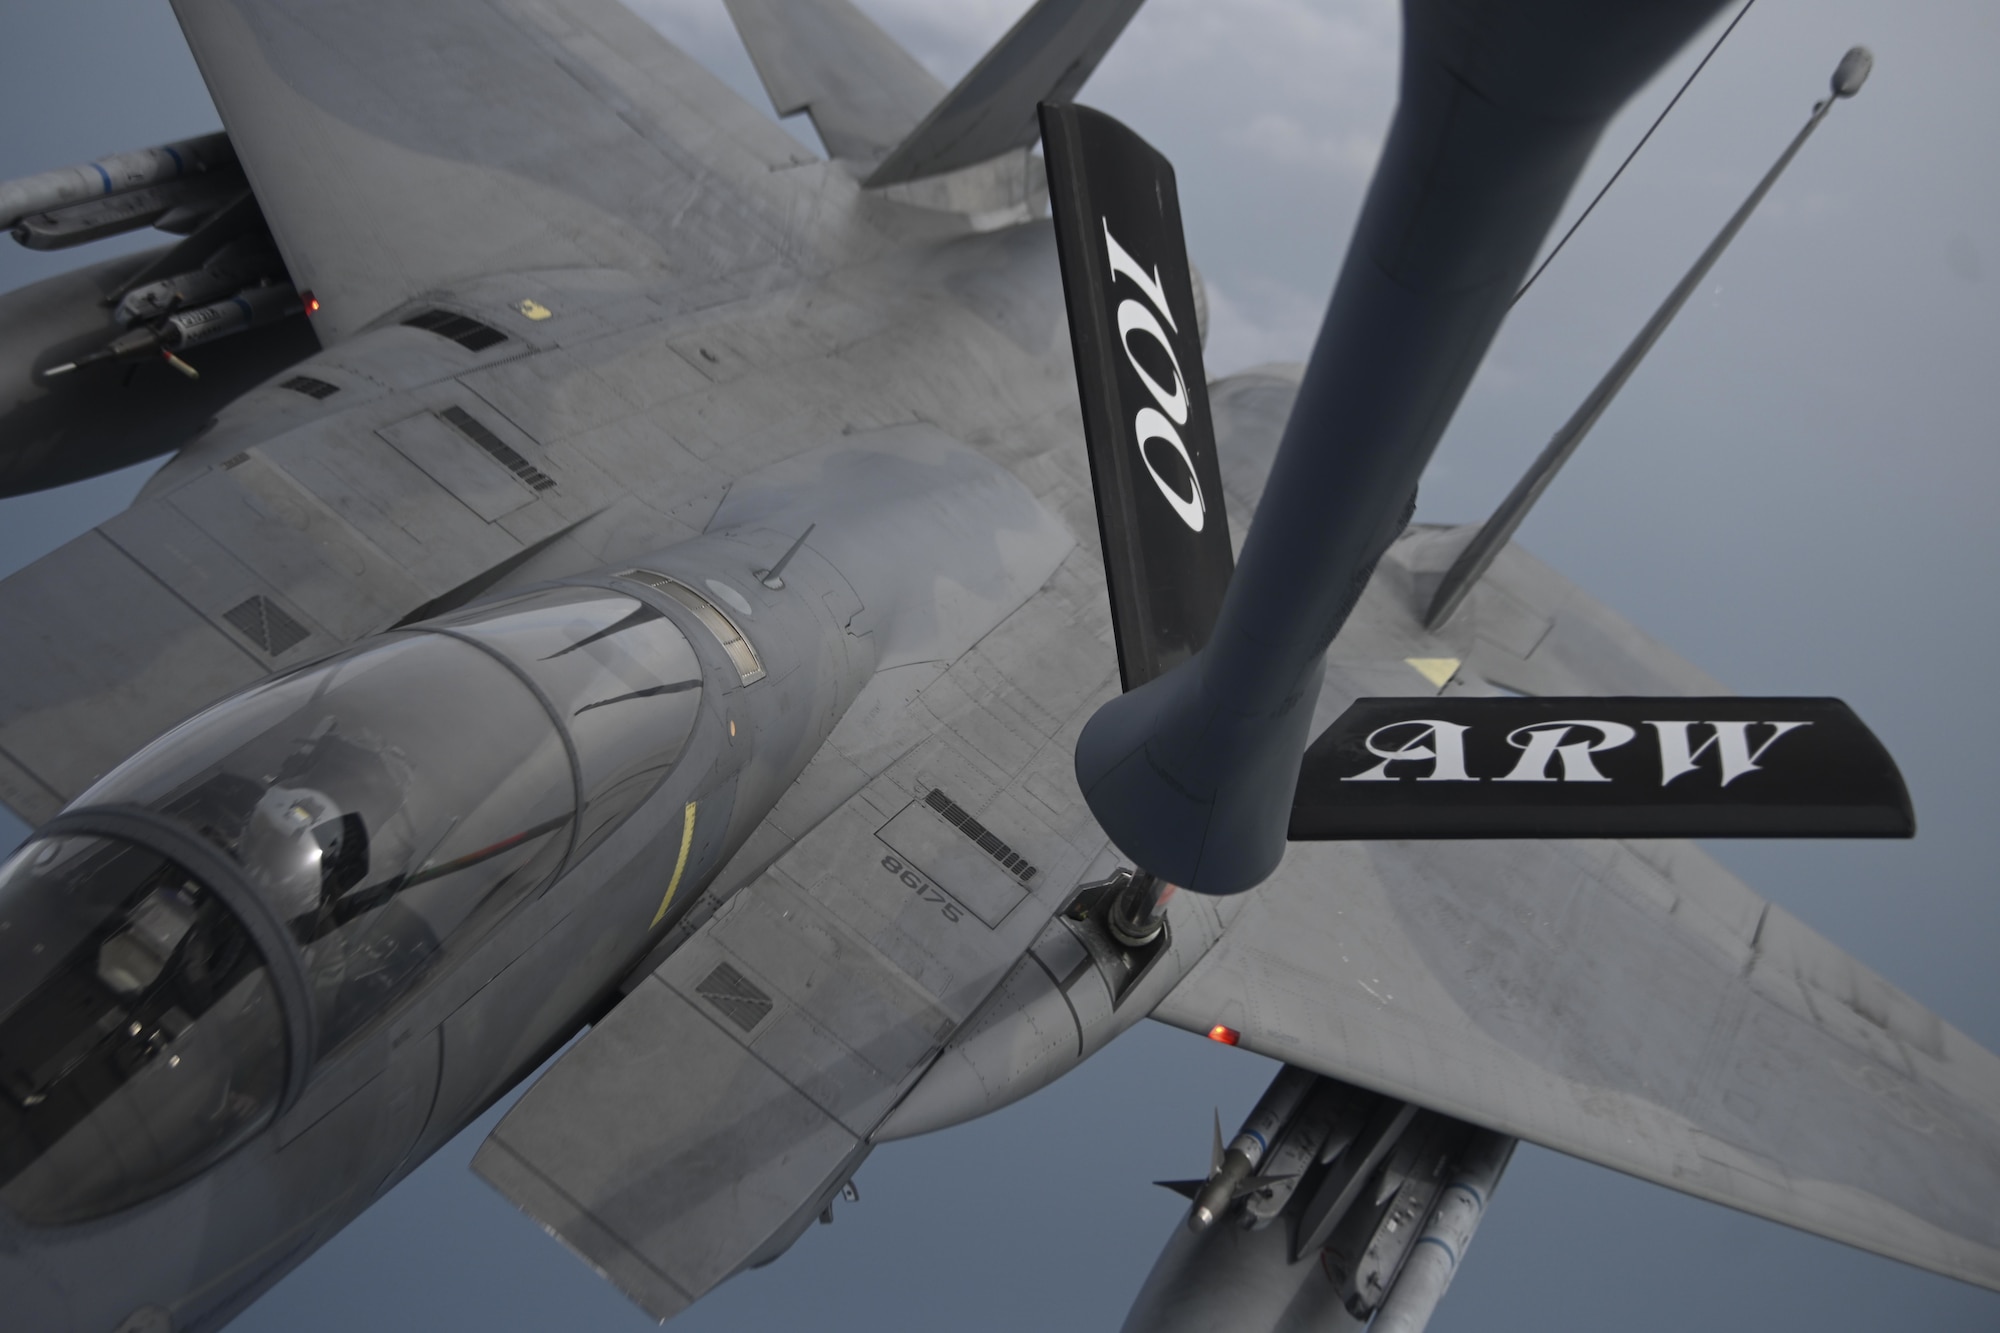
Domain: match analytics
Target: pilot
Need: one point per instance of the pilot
(288, 839)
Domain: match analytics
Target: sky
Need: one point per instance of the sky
(1796, 492)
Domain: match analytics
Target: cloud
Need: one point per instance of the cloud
(691, 24)
(1284, 141)
(1266, 322)
(948, 39)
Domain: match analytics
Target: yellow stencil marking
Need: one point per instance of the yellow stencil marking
(533, 309)
(687, 840)
(1437, 670)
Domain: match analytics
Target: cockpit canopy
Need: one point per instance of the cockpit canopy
(140, 1037)
(383, 808)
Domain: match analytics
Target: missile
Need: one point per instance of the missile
(1433, 1260)
(1328, 1121)
(247, 309)
(247, 261)
(118, 174)
(1250, 1277)
(156, 300)
(1231, 1173)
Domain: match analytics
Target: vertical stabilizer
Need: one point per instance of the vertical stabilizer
(826, 58)
(1046, 57)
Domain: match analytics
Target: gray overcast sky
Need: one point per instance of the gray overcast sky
(1796, 492)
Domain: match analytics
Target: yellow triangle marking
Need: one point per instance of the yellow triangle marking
(1437, 670)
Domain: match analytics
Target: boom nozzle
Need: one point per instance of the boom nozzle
(1852, 71)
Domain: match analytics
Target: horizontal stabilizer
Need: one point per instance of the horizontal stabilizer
(1599, 768)
(826, 58)
(1046, 57)
(1160, 507)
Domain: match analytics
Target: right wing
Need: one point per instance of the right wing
(398, 148)
(1630, 1003)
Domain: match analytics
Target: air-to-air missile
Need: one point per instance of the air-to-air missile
(1363, 1209)
(1231, 1171)
(122, 322)
(250, 308)
(241, 263)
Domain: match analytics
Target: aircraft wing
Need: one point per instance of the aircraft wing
(1631, 1003)
(396, 148)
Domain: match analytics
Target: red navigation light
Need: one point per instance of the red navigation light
(1226, 1035)
(312, 303)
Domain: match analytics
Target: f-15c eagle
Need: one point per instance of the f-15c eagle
(621, 574)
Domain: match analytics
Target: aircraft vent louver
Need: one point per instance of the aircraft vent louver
(475, 430)
(310, 387)
(464, 330)
(265, 624)
(739, 999)
(1016, 864)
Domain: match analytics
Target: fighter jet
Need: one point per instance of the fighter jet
(852, 721)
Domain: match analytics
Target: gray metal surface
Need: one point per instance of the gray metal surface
(663, 1152)
(1047, 56)
(829, 60)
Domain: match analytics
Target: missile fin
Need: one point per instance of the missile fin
(1257, 1183)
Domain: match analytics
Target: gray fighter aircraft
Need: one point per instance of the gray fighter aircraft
(738, 504)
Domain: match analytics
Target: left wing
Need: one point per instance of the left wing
(400, 148)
